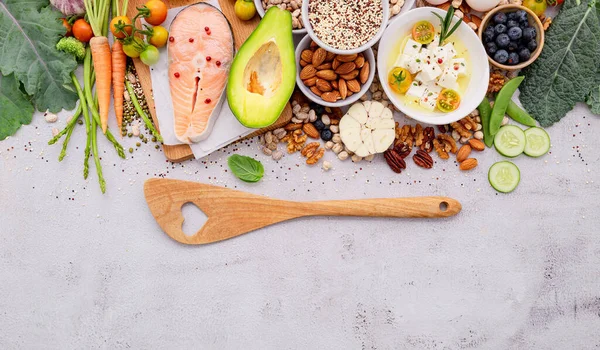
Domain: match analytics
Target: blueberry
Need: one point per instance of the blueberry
(326, 135)
(500, 28)
(502, 41)
(488, 34)
(319, 124)
(521, 16)
(319, 110)
(491, 48)
(532, 45)
(529, 33)
(513, 58)
(512, 16)
(515, 33)
(512, 46)
(512, 23)
(500, 17)
(501, 56)
(524, 54)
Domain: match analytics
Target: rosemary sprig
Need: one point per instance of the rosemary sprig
(446, 22)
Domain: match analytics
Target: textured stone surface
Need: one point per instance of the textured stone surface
(517, 271)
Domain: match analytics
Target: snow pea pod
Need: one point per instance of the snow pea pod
(519, 115)
(501, 103)
(485, 111)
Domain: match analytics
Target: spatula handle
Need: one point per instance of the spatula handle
(416, 207)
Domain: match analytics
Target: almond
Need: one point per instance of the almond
(313, 44)
(346, 58)
(477, 144)
(468, 164)
(327, 74)
(346, 68)
(364, 73)
(330, 96)
(359, 61)
(335, 64)
(476, 19)
(292, 126)
(315, 91)
(463, 153)
(310, 81)
(319, 56)
(350, 75)
(334, 84)
(343, 89)
(310, 130)
(303, 63)
(330, 56)
(307, 55)
(350, 93)
(323, 85)
(324, 66)
(308, 72)
(353, 85)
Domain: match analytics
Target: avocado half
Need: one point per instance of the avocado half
(263, 73)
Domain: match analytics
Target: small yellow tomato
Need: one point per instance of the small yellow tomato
(245, 9)
(399, 80)
(159, 36)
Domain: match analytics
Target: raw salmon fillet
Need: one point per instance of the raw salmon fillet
(200, 52)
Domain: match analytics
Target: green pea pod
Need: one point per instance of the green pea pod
(485, 111)
(519, 115)
(502, 100)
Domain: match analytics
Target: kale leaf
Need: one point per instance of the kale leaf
(15, 107)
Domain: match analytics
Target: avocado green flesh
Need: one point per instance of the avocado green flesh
(263, 73)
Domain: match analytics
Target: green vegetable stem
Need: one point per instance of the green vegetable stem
(519, 115)
(446, 31)
(245, 168)
(141, 112)
(502, 100)
(485, 111)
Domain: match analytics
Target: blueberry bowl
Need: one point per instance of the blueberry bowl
(513, 36)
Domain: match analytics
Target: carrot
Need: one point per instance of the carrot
(119, 64)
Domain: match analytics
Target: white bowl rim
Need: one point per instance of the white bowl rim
(261, 12)
(303, 44)
(473, 100)
(385, 6)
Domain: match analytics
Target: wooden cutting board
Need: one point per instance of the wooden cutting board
(241, 31)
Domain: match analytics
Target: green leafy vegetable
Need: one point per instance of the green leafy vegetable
(72, 46)
(566, 71)
(246, 168)
(446, 31)
(15, 107)
(593, 100)
(31, 30)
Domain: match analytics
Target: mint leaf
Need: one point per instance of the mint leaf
(15, 107)
(31, 30)
(593, 100)
(246, 168)
(566, 71)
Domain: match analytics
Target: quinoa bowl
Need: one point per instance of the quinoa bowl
(362, 26)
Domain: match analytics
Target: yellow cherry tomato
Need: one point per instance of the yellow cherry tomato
(448, 101)
(245, 9)
(133, 46)
(399, 80)
(423, 32)
(159, 36)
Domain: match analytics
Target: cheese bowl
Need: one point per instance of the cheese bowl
(473, 84)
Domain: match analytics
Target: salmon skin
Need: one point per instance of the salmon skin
(200, 50)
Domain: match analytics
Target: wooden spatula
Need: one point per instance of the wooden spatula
(231, 213)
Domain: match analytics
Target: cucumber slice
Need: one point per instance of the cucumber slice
(510, 141)
(504, 176)
(538, 142)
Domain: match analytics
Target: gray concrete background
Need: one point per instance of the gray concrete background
(83, 270)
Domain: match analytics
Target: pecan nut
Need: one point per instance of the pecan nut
(423, 159)
(403, 150)
(428, 136)
(394, 160)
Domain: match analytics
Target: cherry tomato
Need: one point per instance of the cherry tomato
(158, 12)
(159, 36)
(133, 46)
(399, 80)
(423, 32)
(245, 9)
(150, 55)
(120, 20)
(82, 30)
(537, 6)
(448, 101)
(68, 28)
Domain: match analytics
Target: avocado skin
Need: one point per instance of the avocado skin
(251, 109)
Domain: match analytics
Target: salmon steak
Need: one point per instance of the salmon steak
(200, 50)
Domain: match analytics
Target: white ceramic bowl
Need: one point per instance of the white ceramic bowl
(480, 72)
(386, 14)
(261, 13)
(369, 56)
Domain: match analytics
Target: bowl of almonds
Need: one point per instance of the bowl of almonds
(330, 79)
